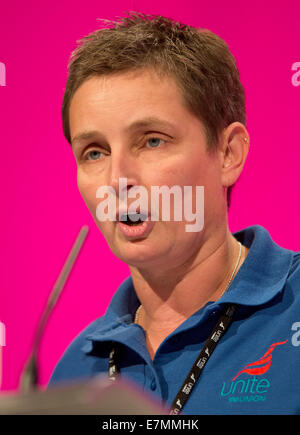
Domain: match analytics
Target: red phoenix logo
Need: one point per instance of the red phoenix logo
(262, 365)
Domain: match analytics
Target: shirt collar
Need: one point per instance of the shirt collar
(264, 272)
(260, 278)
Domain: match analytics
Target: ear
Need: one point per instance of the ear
(234, 148)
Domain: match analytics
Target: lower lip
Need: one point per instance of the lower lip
(136, 231)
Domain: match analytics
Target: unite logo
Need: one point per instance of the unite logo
(252, 389)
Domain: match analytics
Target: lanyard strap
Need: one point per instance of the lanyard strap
(184, 392)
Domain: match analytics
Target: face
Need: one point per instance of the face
(137, 127)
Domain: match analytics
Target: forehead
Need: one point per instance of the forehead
(120, 100)
(128, 85)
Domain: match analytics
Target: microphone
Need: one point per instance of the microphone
(29, 376)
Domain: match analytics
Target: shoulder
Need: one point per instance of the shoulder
(78, 360)
(291, 289)
(72, 364)
(293, 276)
(295, 266)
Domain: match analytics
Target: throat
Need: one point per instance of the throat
(154, 341)
(156, 333)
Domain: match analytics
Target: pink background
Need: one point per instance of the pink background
(42, 210)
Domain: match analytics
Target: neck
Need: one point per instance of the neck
(169, 297)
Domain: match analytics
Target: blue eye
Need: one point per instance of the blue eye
(93, 154)
(155, 142)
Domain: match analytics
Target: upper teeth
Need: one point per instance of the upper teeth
(134, 217)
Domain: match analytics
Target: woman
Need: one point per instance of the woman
(160, 104)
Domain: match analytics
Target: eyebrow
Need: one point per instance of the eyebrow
(141, 123)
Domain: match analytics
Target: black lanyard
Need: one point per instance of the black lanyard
(184, 392)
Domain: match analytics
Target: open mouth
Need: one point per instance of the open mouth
(133, 219)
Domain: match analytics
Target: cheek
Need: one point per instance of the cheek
(198, 170)
(189, 170)
(204, 171)
(88, 192)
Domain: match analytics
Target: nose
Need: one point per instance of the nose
(122, 166)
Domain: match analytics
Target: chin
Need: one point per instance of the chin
(137, 254)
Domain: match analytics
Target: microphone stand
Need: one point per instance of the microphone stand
(29, 376)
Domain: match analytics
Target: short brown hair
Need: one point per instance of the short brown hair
(198, 60)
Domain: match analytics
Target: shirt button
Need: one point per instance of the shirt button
(153, 385)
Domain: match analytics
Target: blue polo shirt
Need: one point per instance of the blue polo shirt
(255, 368)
